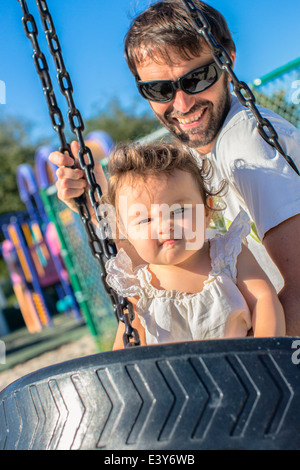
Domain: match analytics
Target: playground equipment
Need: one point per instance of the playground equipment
(101, 145)
(48, 247)
(14, 232)
(24, 295)
(83, 270)
(41, 239)
(222, 394)
(4, 328)
(31, 238)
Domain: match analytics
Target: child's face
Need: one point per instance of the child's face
(163, 217)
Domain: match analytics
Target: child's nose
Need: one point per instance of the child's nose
(165, 227)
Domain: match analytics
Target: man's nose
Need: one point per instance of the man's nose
(183, 102)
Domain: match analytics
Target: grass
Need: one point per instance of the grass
(22, 346)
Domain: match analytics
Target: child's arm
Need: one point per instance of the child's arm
(118, 344)
(261, 297)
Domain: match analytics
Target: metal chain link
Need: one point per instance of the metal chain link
(241, 89)
(103, 248)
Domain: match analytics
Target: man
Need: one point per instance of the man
(190, 95)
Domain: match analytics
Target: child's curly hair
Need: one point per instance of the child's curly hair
(136, 160)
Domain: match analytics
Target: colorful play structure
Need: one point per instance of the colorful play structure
(47, 253)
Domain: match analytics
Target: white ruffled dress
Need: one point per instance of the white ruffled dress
(218, 311)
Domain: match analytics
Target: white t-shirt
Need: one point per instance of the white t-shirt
(259, 178)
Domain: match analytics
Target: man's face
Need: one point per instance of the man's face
(194, 119)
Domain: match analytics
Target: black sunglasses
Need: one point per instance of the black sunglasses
(193, 82)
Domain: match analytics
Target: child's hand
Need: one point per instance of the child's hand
(71, 183)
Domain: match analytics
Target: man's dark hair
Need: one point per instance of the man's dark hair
(166, 26)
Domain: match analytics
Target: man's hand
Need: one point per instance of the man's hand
(71, 183)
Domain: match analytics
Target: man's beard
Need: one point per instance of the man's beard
(206, 133)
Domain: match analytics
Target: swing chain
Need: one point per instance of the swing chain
(101, 247)
(241, 89)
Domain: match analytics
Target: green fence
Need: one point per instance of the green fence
(83, 270)
(280, 91)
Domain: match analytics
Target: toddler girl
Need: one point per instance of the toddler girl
(188, 287)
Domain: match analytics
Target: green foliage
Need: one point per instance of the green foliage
(14, 150)
(122, 124)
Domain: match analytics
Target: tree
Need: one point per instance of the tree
(122, 124)
(14, 150)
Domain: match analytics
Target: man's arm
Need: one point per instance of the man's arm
(283, 245)
(260, 295)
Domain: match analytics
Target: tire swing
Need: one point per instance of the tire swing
(221, 394)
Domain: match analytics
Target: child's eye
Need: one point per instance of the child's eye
(178, 211)
(145, 221)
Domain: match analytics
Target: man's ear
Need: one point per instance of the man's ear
(233, 57)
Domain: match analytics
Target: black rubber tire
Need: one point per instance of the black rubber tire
(225, 394)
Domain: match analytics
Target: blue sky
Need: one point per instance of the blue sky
(91, 33)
